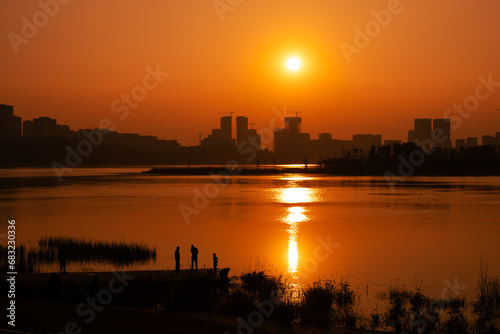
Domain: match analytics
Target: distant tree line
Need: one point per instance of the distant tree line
(409, 159)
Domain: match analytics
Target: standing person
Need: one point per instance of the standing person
(177, 260)
(194, 257)
(62, 260)
(216, 260)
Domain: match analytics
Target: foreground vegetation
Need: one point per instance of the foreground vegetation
(267, 301)
(336, 304)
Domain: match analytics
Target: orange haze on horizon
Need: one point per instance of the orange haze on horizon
(427, 58)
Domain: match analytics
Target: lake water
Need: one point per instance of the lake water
(429, 229)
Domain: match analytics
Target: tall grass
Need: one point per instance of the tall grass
(330, 302)
(316, 306)
(487, 305)
(260, 286)
(413, 312)
(409, 311)
(81, 251)
(456, 322)
(345, 301)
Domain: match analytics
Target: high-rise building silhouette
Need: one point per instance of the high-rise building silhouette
(133, 140)
(226, 127)
(290, 141)
(293, 124)
(411, 136)
(254, 139)
(327, 147)
(324, 137)
(428, 133)
(46, 127)
(40, 127)
(422, 130)
(10, 125)
(489, 140)
(460, 143)
(441, 128)
(246, 136)
(241, 129)
(471, 142)
(220, 137)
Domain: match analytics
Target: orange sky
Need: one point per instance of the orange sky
(427, 58)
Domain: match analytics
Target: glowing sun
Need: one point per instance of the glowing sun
(293, 64)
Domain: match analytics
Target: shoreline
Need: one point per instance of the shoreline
(241, 170)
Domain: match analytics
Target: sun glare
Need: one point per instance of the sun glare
(293, 255)
(296, 195)
(293, 64)
(294, 217)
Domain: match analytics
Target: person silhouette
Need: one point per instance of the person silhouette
(216, 260)
(177, 260)
(194, 257)
(62, 260)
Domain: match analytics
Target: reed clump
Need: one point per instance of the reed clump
(49, 250)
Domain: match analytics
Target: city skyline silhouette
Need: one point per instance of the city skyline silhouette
(230, 166)
(43, 126)
(396, 73)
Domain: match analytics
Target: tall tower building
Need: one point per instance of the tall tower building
(221, 137)
(226, 126)
(422, 129)
(10, 125)
(241, 129)
(290, 140)
(293, 124)
(444, 125)
(422, 132)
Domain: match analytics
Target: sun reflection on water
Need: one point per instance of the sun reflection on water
(293, 255)
(296, 196)
(293, 218)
